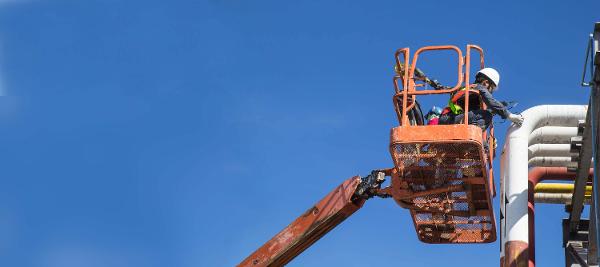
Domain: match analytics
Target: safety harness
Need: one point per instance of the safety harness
(454, 104)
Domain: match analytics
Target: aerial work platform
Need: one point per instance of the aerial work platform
(441, 173)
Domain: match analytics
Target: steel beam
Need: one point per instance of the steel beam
(592, 253)
(575, 244)
(583, 167)
(580, 236)
(573, 257)
(593, 256)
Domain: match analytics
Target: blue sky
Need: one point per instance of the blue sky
(187, 133)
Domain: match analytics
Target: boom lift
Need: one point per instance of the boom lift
(441, 173)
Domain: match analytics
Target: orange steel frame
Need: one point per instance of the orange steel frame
(409, 95)
(400, 189)
(405, 135)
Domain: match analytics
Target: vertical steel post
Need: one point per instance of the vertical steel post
(595, 106)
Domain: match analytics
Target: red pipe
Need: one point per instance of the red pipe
(537, 175)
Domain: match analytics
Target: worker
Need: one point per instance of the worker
(433, 115)
(486, 82)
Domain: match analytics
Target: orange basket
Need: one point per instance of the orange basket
(442, 173)
(443, 168)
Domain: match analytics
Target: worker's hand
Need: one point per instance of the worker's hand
(517, 119)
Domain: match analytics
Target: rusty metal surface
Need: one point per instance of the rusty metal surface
(515, 254)
(441, 175)
(309, 227)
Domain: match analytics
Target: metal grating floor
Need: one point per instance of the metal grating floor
(462, 212)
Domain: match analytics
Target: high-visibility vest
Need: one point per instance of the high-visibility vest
(453, 102)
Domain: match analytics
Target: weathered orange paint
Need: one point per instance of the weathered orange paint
(446, 190)
(309, 227)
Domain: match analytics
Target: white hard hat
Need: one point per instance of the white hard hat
(491, 74)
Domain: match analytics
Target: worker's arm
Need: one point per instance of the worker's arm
(493, 104)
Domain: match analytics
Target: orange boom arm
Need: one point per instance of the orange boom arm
(316, 222)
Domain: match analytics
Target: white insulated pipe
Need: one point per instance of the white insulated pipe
(515, 162)
(551, 162)
(552, 135)
(549, 150)
(557, 198)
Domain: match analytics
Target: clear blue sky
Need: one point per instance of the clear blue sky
(187, 133)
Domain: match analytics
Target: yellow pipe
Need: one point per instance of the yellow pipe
(559, 188)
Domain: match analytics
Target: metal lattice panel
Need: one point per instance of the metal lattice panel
(459, 211)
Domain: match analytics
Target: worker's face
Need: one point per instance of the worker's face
(488, 85)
